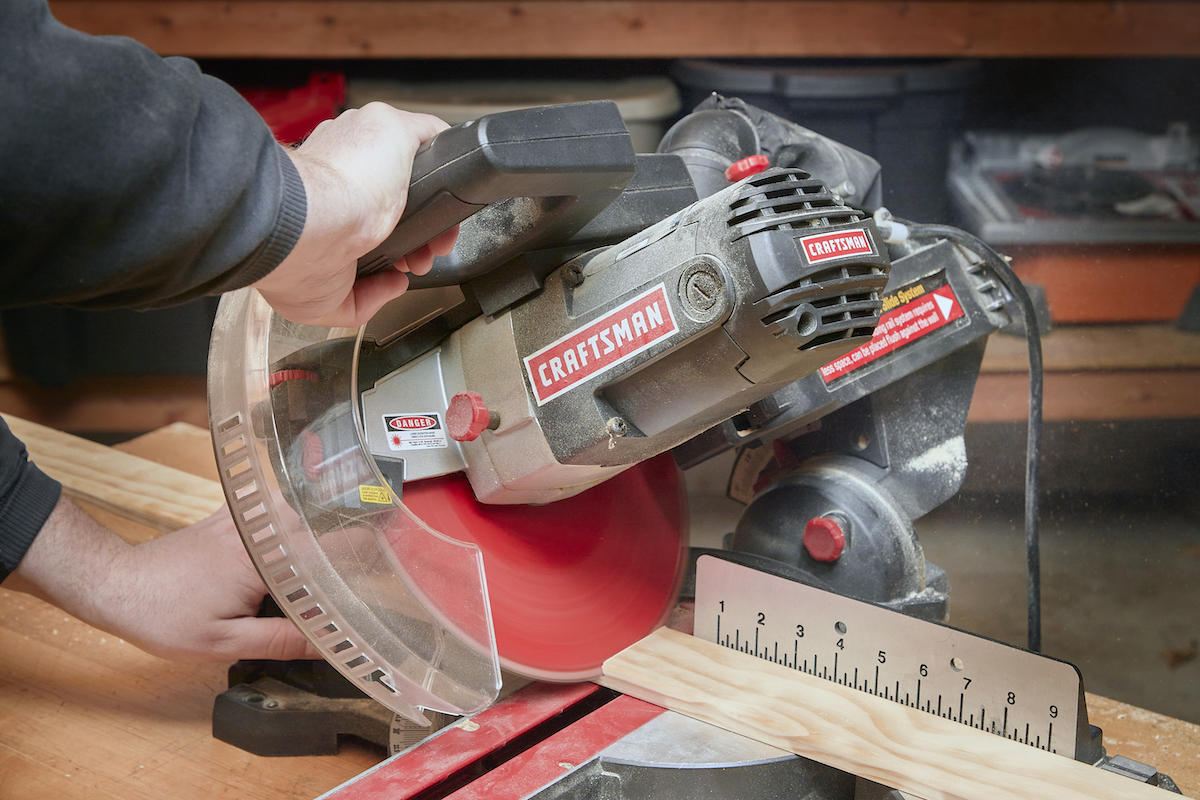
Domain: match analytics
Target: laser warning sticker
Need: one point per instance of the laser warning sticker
(597, 347)
(910, 312)
(376, 495)
(415, 431)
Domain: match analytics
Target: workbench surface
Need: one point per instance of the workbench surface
(83, 715)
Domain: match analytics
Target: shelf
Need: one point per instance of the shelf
(644, 28)
(1093, 373)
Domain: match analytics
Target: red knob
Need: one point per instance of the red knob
(744, 168)
(467, 417)
(824, 539)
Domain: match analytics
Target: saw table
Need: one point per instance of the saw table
(83, 715)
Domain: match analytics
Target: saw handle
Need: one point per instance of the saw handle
(515, 181)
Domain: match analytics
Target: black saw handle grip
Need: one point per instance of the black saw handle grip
(515, 180)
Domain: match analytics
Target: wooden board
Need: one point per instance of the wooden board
(152, 494)
(180, 445)
(910, 750)
(643, 28)
(1090, 396)
(1099, 348)
(1171, 745)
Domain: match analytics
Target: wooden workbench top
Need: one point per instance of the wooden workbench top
(84, 715)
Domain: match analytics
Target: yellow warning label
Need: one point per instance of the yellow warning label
(374, 494)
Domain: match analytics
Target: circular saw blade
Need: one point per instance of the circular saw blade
(573, 582)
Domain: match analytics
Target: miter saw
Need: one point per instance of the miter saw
(486, 475)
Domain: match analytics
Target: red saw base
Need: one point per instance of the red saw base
(572, 582)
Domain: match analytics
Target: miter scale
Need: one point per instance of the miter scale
(971, 680)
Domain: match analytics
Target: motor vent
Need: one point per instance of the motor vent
(835, 294)
(787, 199)
(831, 305)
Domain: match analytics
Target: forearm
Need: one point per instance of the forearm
(68, 563)
(191, 595)
(27, 498)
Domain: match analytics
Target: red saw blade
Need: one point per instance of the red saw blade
(572, 582)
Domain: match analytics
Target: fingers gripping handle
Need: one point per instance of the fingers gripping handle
(514, 180)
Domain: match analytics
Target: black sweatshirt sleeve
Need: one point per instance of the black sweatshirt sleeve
(126, 179)
(27, 496)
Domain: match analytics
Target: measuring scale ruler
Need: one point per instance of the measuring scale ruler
(978, 682)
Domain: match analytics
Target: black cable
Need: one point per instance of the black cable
(1033, 448)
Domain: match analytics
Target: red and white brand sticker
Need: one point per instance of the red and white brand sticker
(918, 312)
(415, 431)
(826, 246)
(600, 345)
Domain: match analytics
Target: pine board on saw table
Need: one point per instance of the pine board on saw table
(918, 753)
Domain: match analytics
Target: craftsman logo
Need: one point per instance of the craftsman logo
(415, 431)
(601, 345)
(826, 246)
(915, 310)
(418, 422)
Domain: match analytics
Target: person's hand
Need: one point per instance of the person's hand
(191, 595)
(356, 171)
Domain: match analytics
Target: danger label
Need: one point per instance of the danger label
(601, 345)
(916, 310)
(414, 431)
(827, 246)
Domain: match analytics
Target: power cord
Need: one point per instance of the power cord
(1033, 447)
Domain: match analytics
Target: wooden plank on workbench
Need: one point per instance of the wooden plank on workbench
(910, 750)
(1090, 396)
(644, 28)
(1095, 348)
(152, 494)
(180, 445)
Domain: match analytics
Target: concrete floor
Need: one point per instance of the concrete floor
(1120, 575)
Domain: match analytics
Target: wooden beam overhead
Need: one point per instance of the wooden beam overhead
(644, 28)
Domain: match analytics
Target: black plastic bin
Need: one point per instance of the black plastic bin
(903, 113)
(55, 346)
